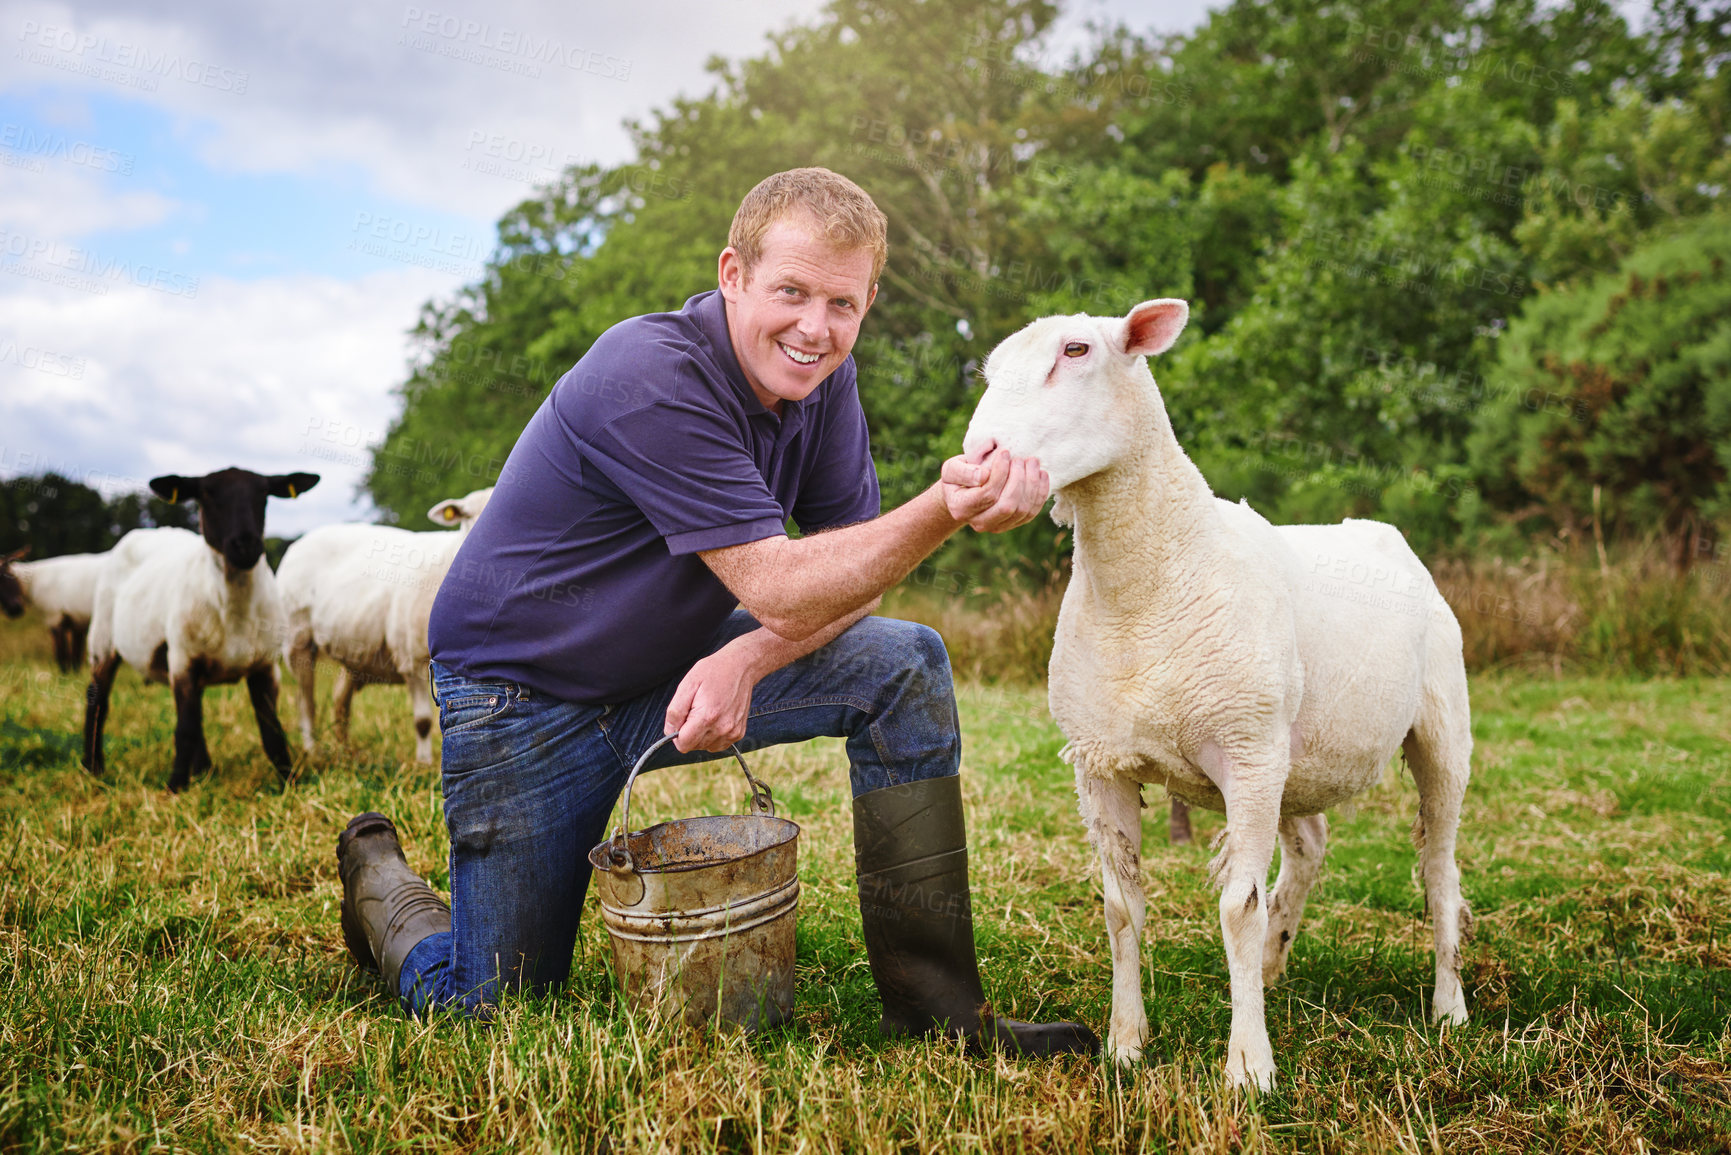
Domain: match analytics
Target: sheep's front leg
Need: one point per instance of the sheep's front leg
(1112, 808)
(191, 755)
(421, 701)
(1303, 841)
(261, 687)
(96, 710)
(303, 661)
(1252, 819)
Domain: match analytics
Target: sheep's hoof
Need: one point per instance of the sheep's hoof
(1454, 1016)
(1247, 1076)
(1126, 1055)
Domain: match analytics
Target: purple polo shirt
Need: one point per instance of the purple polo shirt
(581, 579)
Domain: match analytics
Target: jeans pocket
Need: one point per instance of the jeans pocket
(469, 708)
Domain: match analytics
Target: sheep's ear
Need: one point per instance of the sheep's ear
(291, 484)
(18, 554)
(447, 512)
(1152, 326)
(173, 488)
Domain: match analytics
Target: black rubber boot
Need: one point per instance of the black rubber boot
(911, 854)
(387, 908)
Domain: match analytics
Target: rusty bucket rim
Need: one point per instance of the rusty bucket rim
(600, 858)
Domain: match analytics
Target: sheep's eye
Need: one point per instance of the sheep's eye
(1075, 349)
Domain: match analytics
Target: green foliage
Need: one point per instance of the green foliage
(1358, 200)
(55, 515)
(1615, 396)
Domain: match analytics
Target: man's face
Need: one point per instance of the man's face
(797, 316)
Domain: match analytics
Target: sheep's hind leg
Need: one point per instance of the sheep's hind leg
(342, 698)
(1252, 819)
(191, 755)
(261, 687)
(1303, 842)
(1112, 808)
(1178, 823)
(96, 711)
(421, 701)
(1439, 753)
(303, 662)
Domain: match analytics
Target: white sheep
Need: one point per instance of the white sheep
(1268, 672)
(194, 610)
(361, 595)
(63, 590)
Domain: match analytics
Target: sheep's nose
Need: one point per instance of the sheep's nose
(976, 447)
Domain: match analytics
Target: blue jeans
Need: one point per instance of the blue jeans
(530, 780)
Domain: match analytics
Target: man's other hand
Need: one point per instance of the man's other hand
(713, 701)
(996, 493)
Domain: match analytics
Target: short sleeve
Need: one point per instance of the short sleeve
(689, 473)
(840, 486)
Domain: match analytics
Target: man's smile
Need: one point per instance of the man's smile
(801, 358)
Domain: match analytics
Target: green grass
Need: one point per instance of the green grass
(171, 975)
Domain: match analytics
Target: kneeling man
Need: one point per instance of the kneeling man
(591, 611)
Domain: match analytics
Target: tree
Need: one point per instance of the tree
(1615, 397)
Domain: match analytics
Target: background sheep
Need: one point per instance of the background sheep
(63, 590)
(362, 595)
(194, 610)
(1270, 673)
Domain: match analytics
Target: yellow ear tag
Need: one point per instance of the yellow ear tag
(173, 496)
(291, 489)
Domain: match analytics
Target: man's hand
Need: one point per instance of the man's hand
(713, 701)
(997, 493)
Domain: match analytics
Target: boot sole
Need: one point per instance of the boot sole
(372, 822)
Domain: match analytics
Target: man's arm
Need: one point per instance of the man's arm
(806, 592)
(710, 708)
(797, 588)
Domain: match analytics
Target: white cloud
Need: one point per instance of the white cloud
(45, 198)
(273, 375)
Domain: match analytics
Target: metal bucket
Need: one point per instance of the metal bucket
(701, 910)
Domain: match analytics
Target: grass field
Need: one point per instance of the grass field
(171, 975)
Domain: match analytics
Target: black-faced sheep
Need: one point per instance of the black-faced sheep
(63, 591)
(194, 610)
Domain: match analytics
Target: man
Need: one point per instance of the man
(591, 611)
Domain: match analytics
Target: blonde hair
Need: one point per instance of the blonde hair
(844, 214)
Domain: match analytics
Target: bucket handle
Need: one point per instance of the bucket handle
(619, 855)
